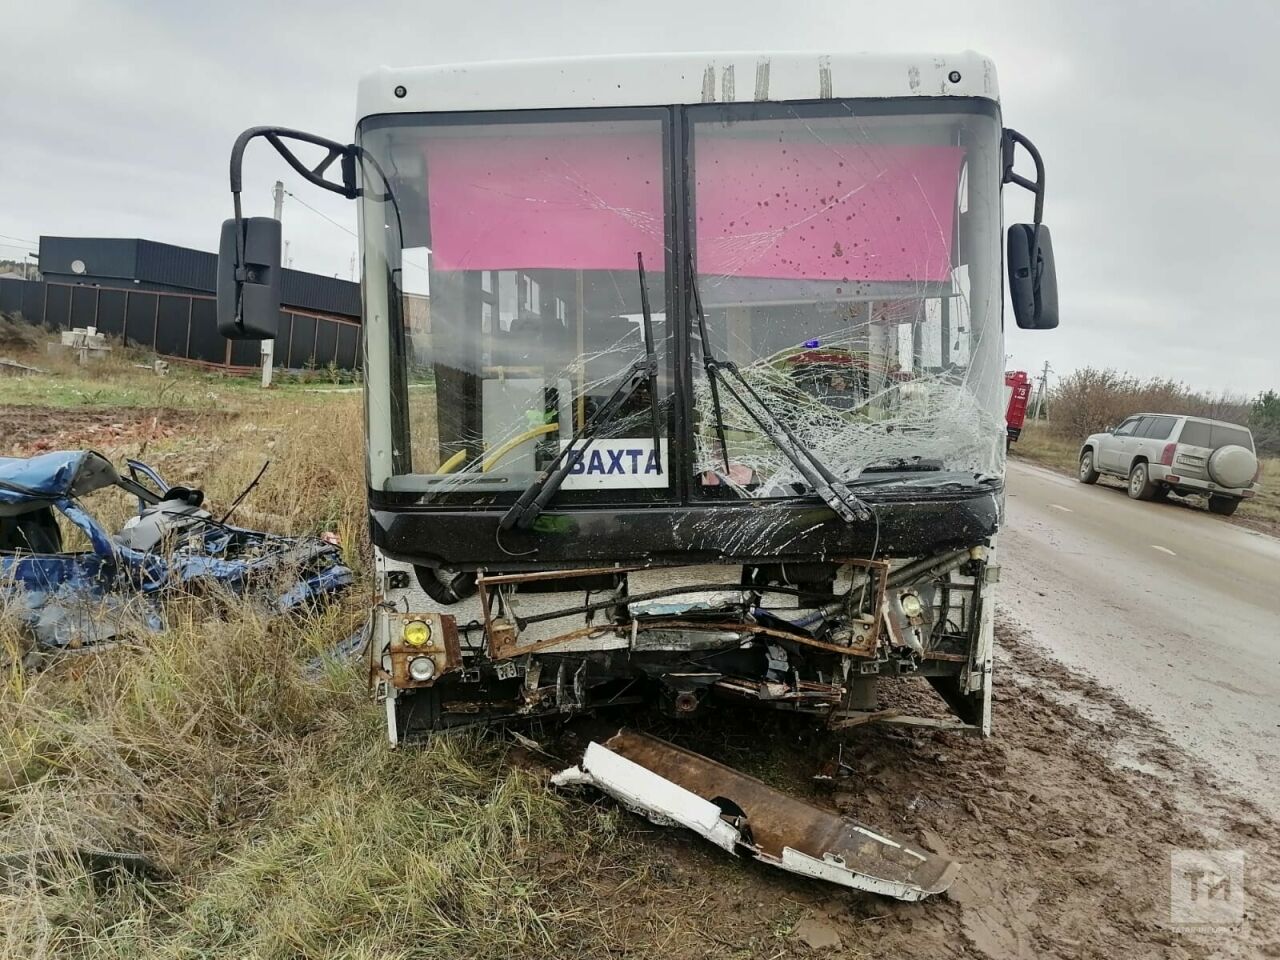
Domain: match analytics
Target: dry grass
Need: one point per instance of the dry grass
(1045, 445)
(265, 815)
(1266, 506)
(218, 431)
(124, 378)
(17, 336)
(271, 818)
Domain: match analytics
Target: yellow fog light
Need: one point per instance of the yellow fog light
(417, 633)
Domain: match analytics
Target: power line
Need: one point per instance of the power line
(322, 216)
(28, 243)
(344, 229)
(1042, 394)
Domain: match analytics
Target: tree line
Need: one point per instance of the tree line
(1091, 399)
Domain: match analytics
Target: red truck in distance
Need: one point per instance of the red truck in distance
(1017, 390)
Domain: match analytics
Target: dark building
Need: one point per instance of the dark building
(161, 298)
(147, 265)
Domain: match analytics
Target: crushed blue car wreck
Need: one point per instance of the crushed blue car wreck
(75, 600)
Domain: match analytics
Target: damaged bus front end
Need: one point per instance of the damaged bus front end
(674, 405)
(801, 635)
(684, 383)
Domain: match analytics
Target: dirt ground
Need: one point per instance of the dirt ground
(1064, 823)
(1265, 525)
(27, 430)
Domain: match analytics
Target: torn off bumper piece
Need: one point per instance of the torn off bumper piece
(671, 786)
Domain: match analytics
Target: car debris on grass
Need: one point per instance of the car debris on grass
(71, 600)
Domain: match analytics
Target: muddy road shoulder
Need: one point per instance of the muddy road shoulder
(1065, 823)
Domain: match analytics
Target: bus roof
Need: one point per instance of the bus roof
(660, 79)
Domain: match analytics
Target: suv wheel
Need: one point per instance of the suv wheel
(1087, 473)
(1224, 506)
(1140, 485)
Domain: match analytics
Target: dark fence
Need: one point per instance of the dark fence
(180, 325)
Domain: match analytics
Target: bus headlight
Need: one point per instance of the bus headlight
(417, 633)
(911, 605)
(422, 669)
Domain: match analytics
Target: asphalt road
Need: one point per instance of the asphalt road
(1174, 609)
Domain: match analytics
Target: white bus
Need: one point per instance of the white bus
(711, 408)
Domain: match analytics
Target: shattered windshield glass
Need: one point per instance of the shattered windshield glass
(519, 301)
(847, 262)
(846, 254)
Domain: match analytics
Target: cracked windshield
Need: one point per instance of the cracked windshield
(847, 265)
(529, 238)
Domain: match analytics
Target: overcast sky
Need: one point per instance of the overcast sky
(1159, 125)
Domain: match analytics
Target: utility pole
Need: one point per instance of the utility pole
(269, 346)
(1042, 393)
(353, 267)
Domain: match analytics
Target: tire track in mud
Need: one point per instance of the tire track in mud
(1064, 823)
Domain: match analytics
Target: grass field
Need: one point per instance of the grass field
(264, 816)
(1041, 444)
(271, 818)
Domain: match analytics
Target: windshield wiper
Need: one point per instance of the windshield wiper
(651, 361)
(902, 465)
(643, 371)
(816, 473)
(917, 482)
(709, 362)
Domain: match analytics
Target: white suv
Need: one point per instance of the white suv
(1159, 453)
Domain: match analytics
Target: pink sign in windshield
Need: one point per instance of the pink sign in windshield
(817, 212)
(520, 202)
(763, 208)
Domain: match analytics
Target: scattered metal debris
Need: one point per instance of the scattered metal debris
(833, 768)
(69, 600)
(672, 786)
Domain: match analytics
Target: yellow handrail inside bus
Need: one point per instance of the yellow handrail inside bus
(449, 465)
(488, 463)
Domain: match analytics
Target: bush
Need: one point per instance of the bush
(1091, 399)
(1264, 421)
(17, 334)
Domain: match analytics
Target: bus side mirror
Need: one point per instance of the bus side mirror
(249, 279)
(1033, 281)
